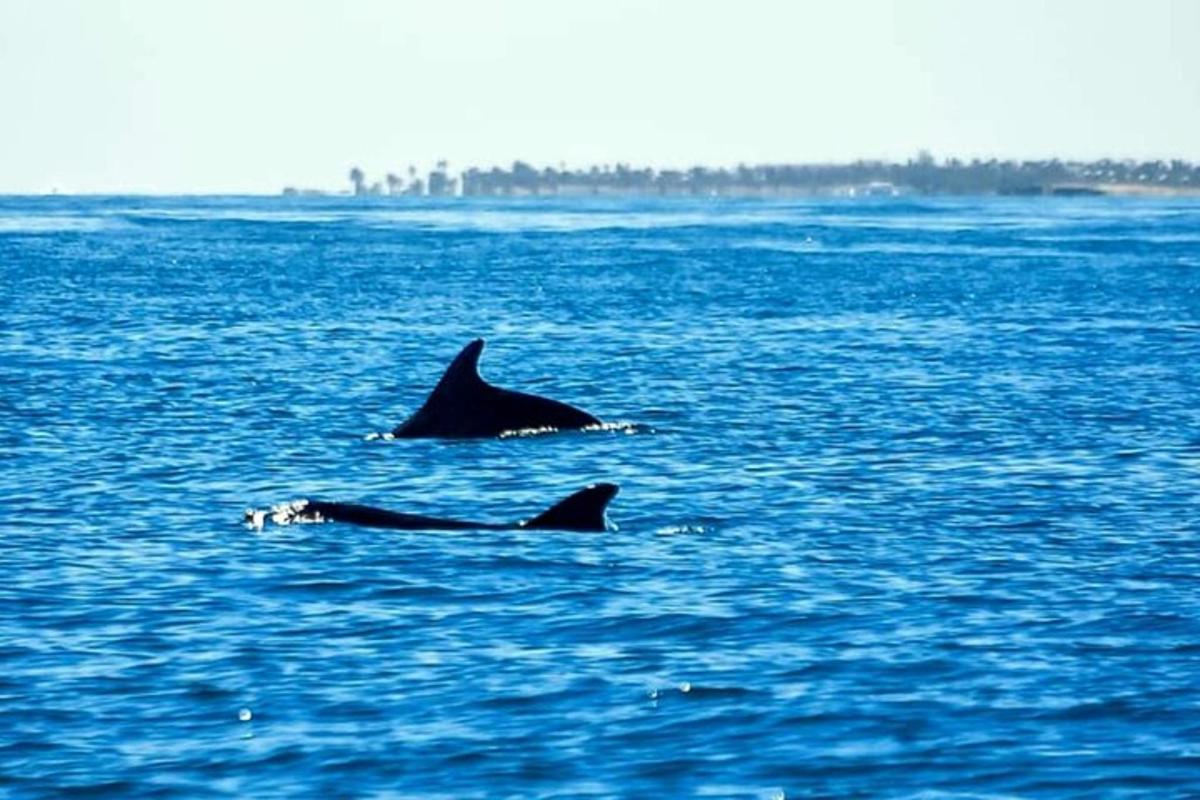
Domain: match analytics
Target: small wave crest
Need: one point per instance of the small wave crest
(683, 529)
(55, 223)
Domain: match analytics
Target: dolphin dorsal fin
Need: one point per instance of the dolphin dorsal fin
(454, 405)
(582, 511)
(463, 372)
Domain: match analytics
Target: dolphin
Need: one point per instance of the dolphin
(463, 405)
(582, 511)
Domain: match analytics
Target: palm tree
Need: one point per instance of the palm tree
(393, 183)
(357, 177)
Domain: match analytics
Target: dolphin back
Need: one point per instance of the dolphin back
(582, 511)
(371, 517)
(516, 411)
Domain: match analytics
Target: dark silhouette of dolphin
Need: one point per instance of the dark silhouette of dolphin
(463, 405)
(582, 511)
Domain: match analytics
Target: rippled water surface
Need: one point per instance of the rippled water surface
(912, 507)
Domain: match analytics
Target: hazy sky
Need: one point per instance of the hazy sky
(246, 95)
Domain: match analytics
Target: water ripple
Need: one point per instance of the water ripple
(910, 508)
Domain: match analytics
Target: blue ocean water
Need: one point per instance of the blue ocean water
(913, 509)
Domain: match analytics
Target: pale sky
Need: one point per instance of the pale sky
(253, 95)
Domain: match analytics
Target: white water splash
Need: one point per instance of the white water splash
(295, 512)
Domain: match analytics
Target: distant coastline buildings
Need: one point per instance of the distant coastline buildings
(921, 176)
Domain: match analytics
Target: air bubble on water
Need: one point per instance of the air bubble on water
(245, 715)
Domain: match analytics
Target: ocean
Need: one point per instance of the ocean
(909, 508)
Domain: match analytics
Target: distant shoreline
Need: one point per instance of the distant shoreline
(734, 193)
(921, 176)
(1111, 190)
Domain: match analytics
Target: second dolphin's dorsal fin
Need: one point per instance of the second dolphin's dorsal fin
(582, 511)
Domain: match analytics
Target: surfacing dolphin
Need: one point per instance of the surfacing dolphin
(463, 405)
(582, 511)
